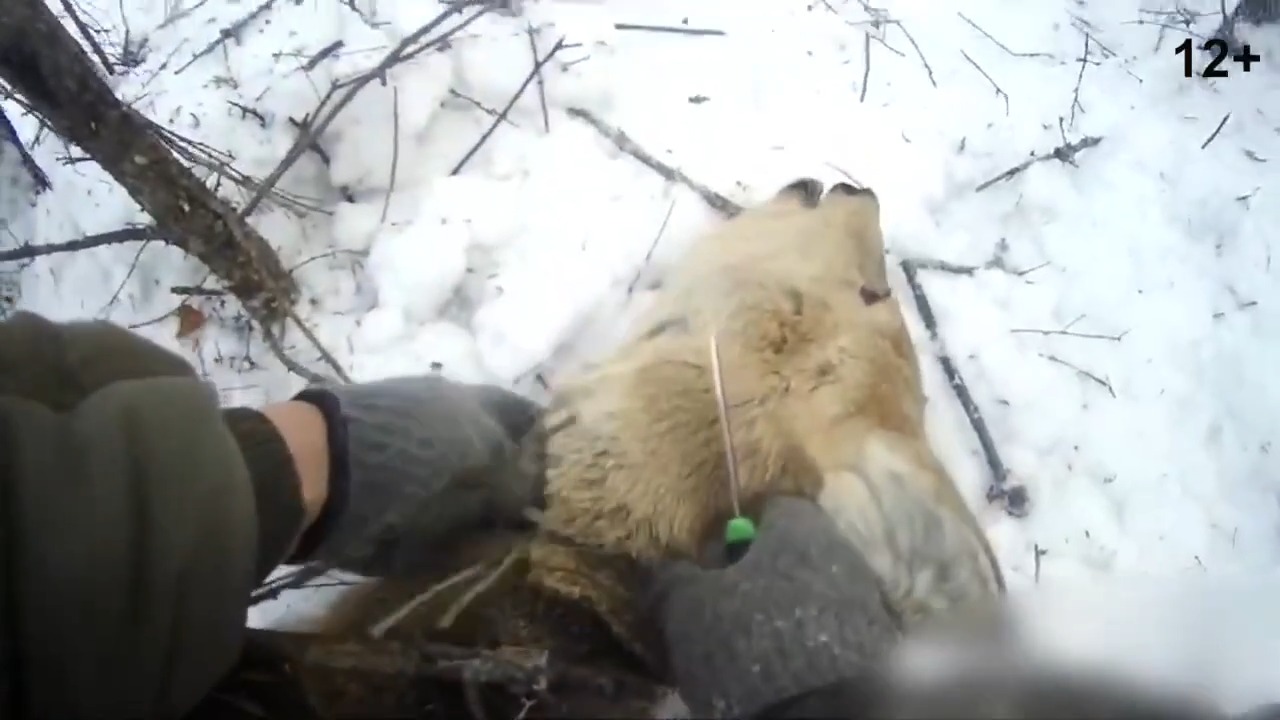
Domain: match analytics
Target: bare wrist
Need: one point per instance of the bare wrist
(303, 429)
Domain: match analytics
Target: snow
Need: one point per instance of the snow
(1154, 244)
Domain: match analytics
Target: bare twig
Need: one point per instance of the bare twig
(380, 628)
(226, 33)
(196, 291)
(482, 107)
(522, 671)
(542, 86)
(999, 92)
(450, 616)
(1069, 333)
(322, 55)
(277, 349)
(666, 29)
(999, 44)
(648, 256)
(9, 134)
(919, 53)
(866, 67)
(87, 34)
(624, 143)
(493, 127)
(877, 21)
(395, 153)
(1212, 136)
(123, 235)
(1075, 94)
(291, 580)
(246, 111)
(185, 12)
(997, 262)
(1014, 498)
(1052, 358)
(339, 96)
(1063, 153)
(133, 266)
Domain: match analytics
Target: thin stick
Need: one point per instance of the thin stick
(87, 34)
(623, 142)
(542, 85)
(446, 621)
(27, 251)
(717, 381)
(502, 114)
(1213, 136)
(380, 628)
(1015, 498)
(667, 29)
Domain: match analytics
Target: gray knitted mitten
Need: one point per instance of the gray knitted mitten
(418, 462)
(800, 610)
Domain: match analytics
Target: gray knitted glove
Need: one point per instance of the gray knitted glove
(800, 610)
(417, 463)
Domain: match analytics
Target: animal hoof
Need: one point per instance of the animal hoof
(807, 190)
(852, 190)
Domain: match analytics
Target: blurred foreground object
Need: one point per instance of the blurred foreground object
(1257, 11)
(1249, 12)
(1191, 647)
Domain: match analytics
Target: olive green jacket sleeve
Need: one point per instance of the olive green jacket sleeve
(129, 530)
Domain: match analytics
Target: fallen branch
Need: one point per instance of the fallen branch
(666, 29)
(1213, 135)
(1082, 372)
(502, 114)
(919, 53)
(866, 67)
(1075, 94)
(481, 107)
(291, 580)
(27, 251)
(323, 54)
(1014, 497)
(1063, 153)
(998, 261)
(395, 155)
(542, 85)
(87, 34)
(999, 92)
(42, 62)
(1069, 333)
(648, 256)
(9, 134)
(624, 143)
(999, 44)
(341, 94)
(356, 677)
(226, 33)
(297, 368)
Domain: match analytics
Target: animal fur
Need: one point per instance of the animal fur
(825, 399)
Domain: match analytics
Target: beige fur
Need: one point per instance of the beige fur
(825, 401)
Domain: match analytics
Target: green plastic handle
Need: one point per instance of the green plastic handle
(739, 530)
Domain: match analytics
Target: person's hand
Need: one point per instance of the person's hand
(418, 462)
(800, 610)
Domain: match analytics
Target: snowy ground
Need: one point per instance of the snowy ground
(1126, 375)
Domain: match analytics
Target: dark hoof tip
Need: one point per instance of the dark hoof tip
(871, 296)
(808, 190)
(851, 190)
